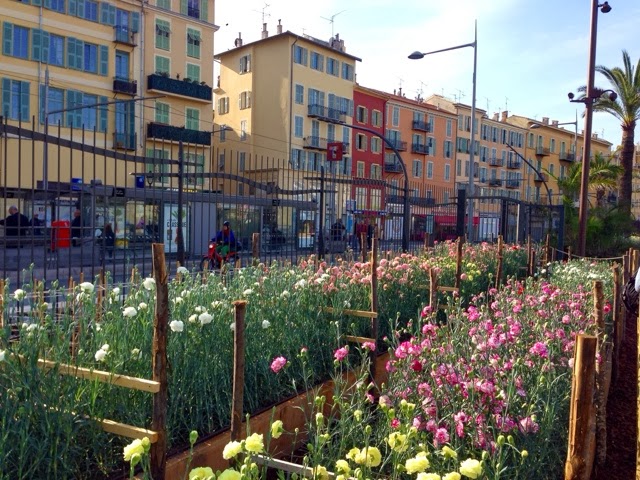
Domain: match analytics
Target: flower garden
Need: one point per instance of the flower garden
(477, 389)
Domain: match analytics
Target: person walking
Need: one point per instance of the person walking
(16, 224)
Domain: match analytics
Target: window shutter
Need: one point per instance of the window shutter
(104, 60)
(103, 112)
(36, 2)
(111, 17)
(47, 4)
(135, 22)
(184, 7)
(72, 7)
(7, 36)
(24, 101)
(42, 102)
(104, 13)
(44, 47)
(36, 44)
(71, 102)
(79, 54)
(80, 8)
(204, 10)
(6, 97)
(71, 52)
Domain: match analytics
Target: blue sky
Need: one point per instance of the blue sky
(530, 53)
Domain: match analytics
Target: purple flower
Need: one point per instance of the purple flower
(539, 349)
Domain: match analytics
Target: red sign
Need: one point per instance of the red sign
(334, 152)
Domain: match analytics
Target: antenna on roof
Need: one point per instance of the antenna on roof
(264, 12)
(331, 20)
(488, 103)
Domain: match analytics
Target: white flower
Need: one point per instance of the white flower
(80, 297)
(186, 293)
(183, 270)
(199, 309)
(149, 283)
(98, 327)
(100, 355)
(205, 318)
(216, 303)
(45, 305)
(177, 300)
(86, 287)
(32, 327)
(19, 294)
(284, 294)
(142, 306)
(266, 324)
(247, 292)
(176, 326)
(115, 291)
(105, 347)
(193, 318)
(232, 326)
(301, 283)
(3, 355)
(347, 304)
(136, 353)
(129, 312)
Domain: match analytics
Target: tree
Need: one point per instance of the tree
(626, 83)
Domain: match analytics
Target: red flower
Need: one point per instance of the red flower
(416, 366)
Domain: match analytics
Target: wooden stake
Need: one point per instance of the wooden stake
(499, 268)
(568, 253)
(459, 262)
(363, 242)
(82, 277)
(529, 257)
(547, 249)
(618, 325)
(178, 274)
(237, 396)
(255, 245)
(102, 290)
(159, 363)
(580, 455)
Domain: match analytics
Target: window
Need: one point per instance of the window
(300, 94)
(331, 132)
(245, 64)
(347, 71)
(163, 65)
(193, 118)
(162, 112)
(243, 130)
(56, 50)
(416, 171)
(196, 169)
(193, 43)
(55, 101)
(300, 55)
(448, 147)
(447, 172)
(122, 65)
(245, 100)
(376, 171)
(360, 169)
(223, 134)
(193, 72)
(315, 97)
(361, 198)
(162, 34)
(333, 66)
(90, 10)
(56, 5)
(317, 61)
(429, 169)
(376, 145)
(376, 118)
(459, 168)
(242, 161)
(552, 145)
(89, 114)
(361, 142)
(431, 146)
(361, 114)
(194, 9)
(376, 199)
(298, 159)
(90, 58)
(164, 4)
(15, 41)
(395, 116)
(155, 163)
(298, 130)
(346, 135)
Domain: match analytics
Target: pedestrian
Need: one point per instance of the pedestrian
(16, 224)
(361, 229)
(108, 239)
(36, 224)
(76, 227)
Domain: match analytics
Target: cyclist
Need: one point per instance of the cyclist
(225, 239)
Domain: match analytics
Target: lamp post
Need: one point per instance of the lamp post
(592, 94)
(474, 45)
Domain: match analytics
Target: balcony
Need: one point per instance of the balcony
(567, 157)
(541, 151)
(421, 126)
(124, 35)
(514, 164)
(327, 114)
(495, 162)
(168, 132)
(541, 178)
(483, 180)
(419, 148)
(392, 167)
(398, 144)
(124, 141)
(161, 83)
(315, 143)
(512, 183)
(495, 182)
(124, 85)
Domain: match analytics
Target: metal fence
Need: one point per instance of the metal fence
(94, 185)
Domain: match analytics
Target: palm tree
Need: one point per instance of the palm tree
(626, 83)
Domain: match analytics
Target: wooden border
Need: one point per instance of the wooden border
(351, 338)
(353, 313)
(125, 430)
(449, 289)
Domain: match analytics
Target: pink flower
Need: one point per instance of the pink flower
(441, 436)
(395, 423)
(369, 346)
(463, 276)
(539, 349)
(278, 364)
(341, 353)
(607, 308)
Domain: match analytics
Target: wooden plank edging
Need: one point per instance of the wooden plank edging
(353, 313)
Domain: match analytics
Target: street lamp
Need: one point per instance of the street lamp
(474, 45)
(592, 94)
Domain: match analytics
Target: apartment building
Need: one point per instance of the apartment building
(284, 99)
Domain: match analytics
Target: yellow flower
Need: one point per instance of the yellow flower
(201, 473)
(428, 476)
(369, 456)
(146, 444)
(357, 414)
(471, 468)
(230, 474)
(321, 473)
(342, 466)
(231, 449)
(452, 476)
(276, 429)
(134, 447)
(398, 442)
(353, 453)
(254, 443)
(448, 452)
(418, 464)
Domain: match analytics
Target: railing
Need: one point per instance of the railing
(567, 157)
(495, 162)
(124, 35)
(326, 113)
(495, 182)
(514, 164)
(421, 125)
(392, 167)
(419, 148)
(542, 151)
(124, 141)
(398, 144)
(176, 134)
(541, 177)
(183, 88)
(512, 183)
(124, 85)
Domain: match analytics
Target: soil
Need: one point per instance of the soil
(622, 417)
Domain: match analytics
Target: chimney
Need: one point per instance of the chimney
(495, 116)
(594, 135)
(279, 28)
(265, 33)
(238, 41)
(505, 114)
(545, 120)
(400, 91)
(554, 123)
